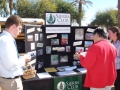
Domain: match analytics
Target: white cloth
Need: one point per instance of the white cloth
(106, 88)
(10, 64)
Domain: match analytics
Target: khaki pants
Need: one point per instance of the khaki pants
(11, 84)
(0, 88)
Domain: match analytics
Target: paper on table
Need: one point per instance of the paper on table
(44, 75)
(82, 70)
(70, 72)
(52, 69)
(70, 68)
(62, 68)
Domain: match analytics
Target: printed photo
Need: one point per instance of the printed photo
(89, 36)
(79, 34)
(58, 49)
(36, 37)
(39, 44)
(48, 49)
(32, 53)
(77, 49)
(40, 52)
(32, 46)
(41, 37)
(29, 37)
(40, 64)
(64, 58)
(68, 49)
(54, 41)
(64, 39)
(88, 43)
(54, 60)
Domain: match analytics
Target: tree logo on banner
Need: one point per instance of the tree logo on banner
(61, 85)
(51, 19)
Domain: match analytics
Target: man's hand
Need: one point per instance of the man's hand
(27, 57)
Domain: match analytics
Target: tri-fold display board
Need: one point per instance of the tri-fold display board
(55, 44)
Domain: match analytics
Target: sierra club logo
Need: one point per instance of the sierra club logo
(51, 19)
(61, 85)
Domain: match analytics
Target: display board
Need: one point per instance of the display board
(33, 39)
(55, 44)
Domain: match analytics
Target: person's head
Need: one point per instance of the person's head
(99, 34)
(14, 25)
(114, 33)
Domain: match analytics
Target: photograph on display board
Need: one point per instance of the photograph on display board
(29, 37)
(40, 52)
(36, 37)
(40, 64)
(77, 49)
(54, 41)
(64, 39)
(79, 34)
(41, 37)
(68, 49)
(48, 49)
(32, 53)
(89, 36)
(64, 58)
(88, 43)
(54, 60)
(32, 46)
(39, 44)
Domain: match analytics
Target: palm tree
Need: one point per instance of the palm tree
(80, 3)
(119, 13)
(11, 6)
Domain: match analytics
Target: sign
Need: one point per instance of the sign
(68, 83)
(58, 19)
(58, 30)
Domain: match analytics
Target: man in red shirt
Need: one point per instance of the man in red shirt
(99, 62)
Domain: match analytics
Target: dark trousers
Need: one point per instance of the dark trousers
(117, 82)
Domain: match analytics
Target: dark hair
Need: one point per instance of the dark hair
(115, 29)
(13, 19)
(101, 33)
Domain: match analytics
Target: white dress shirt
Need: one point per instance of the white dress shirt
(117, 46)
(10, 64)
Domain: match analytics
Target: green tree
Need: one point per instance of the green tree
(3, 8)
(30, 9)
(80, 7)
(106, 18)
(68, 7)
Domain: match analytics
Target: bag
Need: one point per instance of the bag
(29, 73)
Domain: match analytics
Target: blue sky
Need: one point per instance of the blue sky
(98, 5)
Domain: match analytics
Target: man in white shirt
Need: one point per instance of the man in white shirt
(10, 63)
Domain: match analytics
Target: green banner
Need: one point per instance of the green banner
(68, 83)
